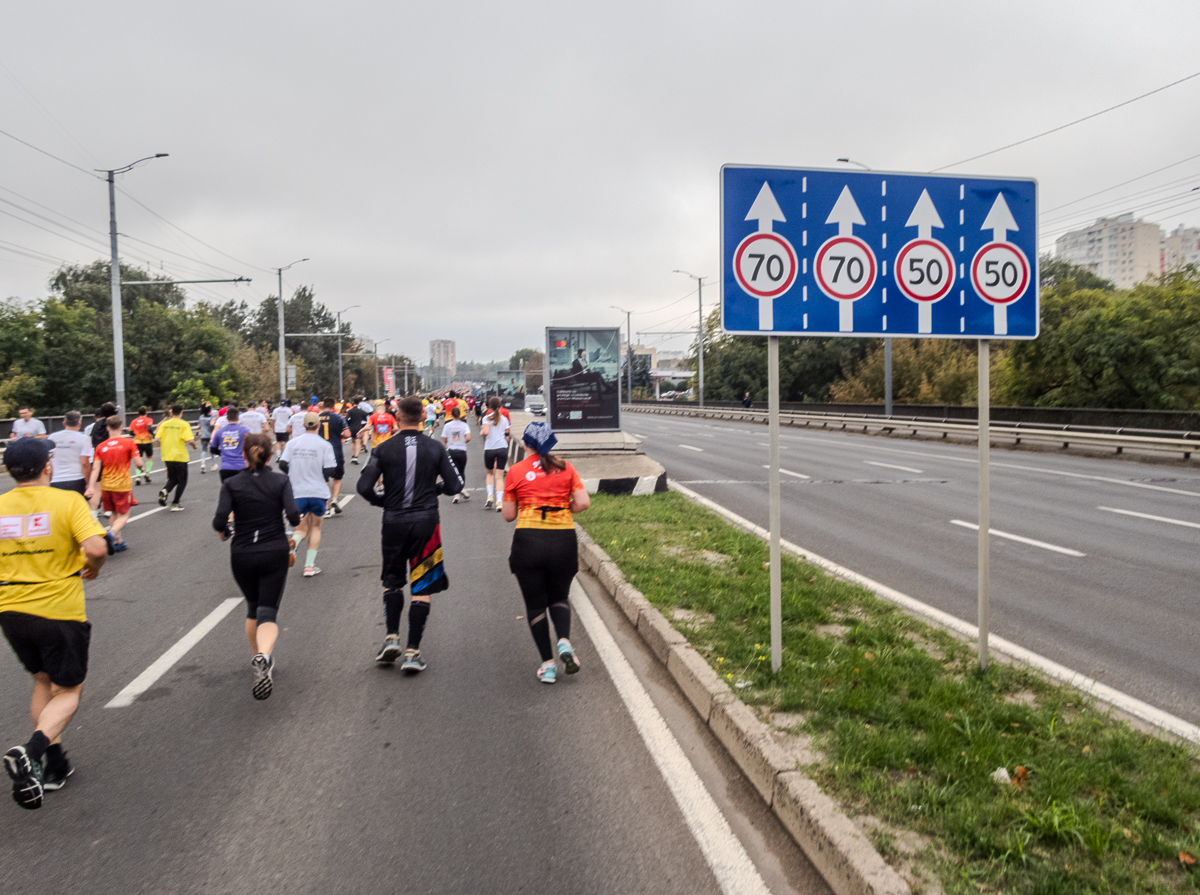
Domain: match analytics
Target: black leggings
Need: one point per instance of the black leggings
(261, 575)
(545, 562)
(459, 458)
(177, 475)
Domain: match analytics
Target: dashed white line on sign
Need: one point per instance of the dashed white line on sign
(688, 447)
(798, 475)
(894, 466)
(1151, 517)
(1066, 551)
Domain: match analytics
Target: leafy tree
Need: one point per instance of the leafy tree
(1054, 273)
(525, 357)
(924, 371)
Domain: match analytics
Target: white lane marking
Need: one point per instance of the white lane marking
(1030, 541)
(145, 514)
(640, 435)
(798, 475)
(688, 447)
(147, 678)
(894, 466)
(345, 500)
(782, 447)
(1150, 516)
(734, 871)
(1048, 667)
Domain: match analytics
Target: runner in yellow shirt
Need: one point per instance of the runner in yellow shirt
(175, 436)
(49, 545)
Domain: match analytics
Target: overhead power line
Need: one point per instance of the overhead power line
(1061, 127)
(48, 154)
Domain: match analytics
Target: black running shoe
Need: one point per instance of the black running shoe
(26, 773)
(263, 667)
(162, 497)
(390, 651)
(54, 776)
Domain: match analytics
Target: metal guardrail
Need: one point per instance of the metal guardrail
(1185, 443)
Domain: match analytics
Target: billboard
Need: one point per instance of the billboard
(389, 381)
(510, 386)
(583, 379)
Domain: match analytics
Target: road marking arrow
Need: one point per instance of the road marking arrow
(925, 217)
(765, 210)
(845, 213)
(999, 220)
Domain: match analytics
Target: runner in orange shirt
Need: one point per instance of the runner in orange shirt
(142, 429)
(111, 467)
(382, 424)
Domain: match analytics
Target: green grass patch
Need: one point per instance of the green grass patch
(909, 731)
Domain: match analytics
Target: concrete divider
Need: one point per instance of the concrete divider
(834, 845)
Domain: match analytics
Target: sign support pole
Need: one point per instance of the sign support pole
(775, 567)
(985, 400)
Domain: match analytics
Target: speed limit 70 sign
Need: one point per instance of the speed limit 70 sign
(836, 252)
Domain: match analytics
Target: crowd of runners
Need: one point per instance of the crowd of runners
(54, 540)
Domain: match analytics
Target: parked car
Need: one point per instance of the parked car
(535, 404)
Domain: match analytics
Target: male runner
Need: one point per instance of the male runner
(280, 417)
(27, 426)
(431, 415)
(176, 437)
(382, 424)
(410, 466)
(142, 429)
(111, 468)
(72, 455)
(49, 544)
(309, 463)
(254, 420)
(356, 418)
(227, 444)
(333, 429)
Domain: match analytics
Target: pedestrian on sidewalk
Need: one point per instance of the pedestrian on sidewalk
(541, 493)
(26, 425)
(495, 451)
(410, 466)
(259, 498)
(111, 469)
(175, 436)
(455, 436)
(309, 462)
(51, 545)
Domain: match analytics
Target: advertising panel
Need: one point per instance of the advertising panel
(389, 381)
(510, 386)
(583, 379)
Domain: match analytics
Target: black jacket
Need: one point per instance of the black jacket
(410, 464)
(258, 501)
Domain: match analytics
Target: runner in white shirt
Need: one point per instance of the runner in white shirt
(254, 420)
(296, 423)
(431, 414)
(281, 417)
(27, 426)
(73, 454)
(309, 462)
(455, 435)
(495, 453)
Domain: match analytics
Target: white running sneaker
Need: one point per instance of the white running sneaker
(310, 571)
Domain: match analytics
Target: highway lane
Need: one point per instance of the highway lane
(471, 777)
(1124, 612)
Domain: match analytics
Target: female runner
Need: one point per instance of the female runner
(261, 553)
(541, 493)
(495, 451)
(455, 435)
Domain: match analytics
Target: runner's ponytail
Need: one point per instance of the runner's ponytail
(494, 407)
(257, 449)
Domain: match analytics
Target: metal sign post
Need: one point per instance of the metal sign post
(985, 521)
(776, 563)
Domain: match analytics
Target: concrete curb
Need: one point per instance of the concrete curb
(835, 846)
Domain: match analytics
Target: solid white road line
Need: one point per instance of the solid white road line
(734, 871)
(1067, 551)
(894, 466)
(782, 447)
(145, 514)
(640, 435)
(688, 447)
(798, 475)
(147, 678)
(342, 501)
(1152, 517)
(1048, 667)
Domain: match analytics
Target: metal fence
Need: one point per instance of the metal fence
(55, 423)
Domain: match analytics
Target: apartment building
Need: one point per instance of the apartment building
(1120, 249)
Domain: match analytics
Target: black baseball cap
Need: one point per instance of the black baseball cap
(27, 455)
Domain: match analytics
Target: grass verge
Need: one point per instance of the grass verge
(909, 733)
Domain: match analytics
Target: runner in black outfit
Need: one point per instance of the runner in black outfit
(356, 418)
(258, 499)
(410, 465)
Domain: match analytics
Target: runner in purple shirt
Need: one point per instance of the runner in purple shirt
(228, 443)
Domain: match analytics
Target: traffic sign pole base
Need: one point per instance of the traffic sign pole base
(846, 316)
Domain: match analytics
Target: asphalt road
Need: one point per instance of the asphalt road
(1121, 605)
(469, 778)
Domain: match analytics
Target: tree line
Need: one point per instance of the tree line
(1099, 347)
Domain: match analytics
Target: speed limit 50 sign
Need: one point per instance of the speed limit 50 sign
(836, 252)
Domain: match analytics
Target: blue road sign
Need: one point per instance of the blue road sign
(836, 252)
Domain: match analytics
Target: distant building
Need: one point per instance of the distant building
(1181, 248)
(442, 363)
(1119, 249)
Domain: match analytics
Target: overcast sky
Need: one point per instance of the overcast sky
(477, 171)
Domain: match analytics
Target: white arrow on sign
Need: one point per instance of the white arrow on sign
(845, 213)
(765, 210)
(999, 220)
(925, 217)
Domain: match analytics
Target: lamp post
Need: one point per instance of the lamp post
(375, 353)
(699, 333)
(282, 349)
(341, 383)
(115, 278)
(629, 348)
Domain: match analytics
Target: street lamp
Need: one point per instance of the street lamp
(282, 349)
(629, 349)
(850, 161)
(115, 278)
(375, 353)
(341, 385)
(699, 332)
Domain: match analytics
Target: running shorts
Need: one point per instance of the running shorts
(54, 646)
(146, 449)
(117, 502)
(354, 430)
(315, 505)
(228, 473)
(339, 471)
(283, 436)
(261, 575)
(495, 458)
(402, 543)
(79, 485)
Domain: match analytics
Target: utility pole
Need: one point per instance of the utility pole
(699, 332)
(282, 348)
(628, 352)
(118, 326)
(341, 381)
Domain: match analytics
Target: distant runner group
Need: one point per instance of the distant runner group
(53, 540)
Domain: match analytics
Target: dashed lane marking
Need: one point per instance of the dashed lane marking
(1066, 551)
(1151, 517)
(688, 447)
(894, 466)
